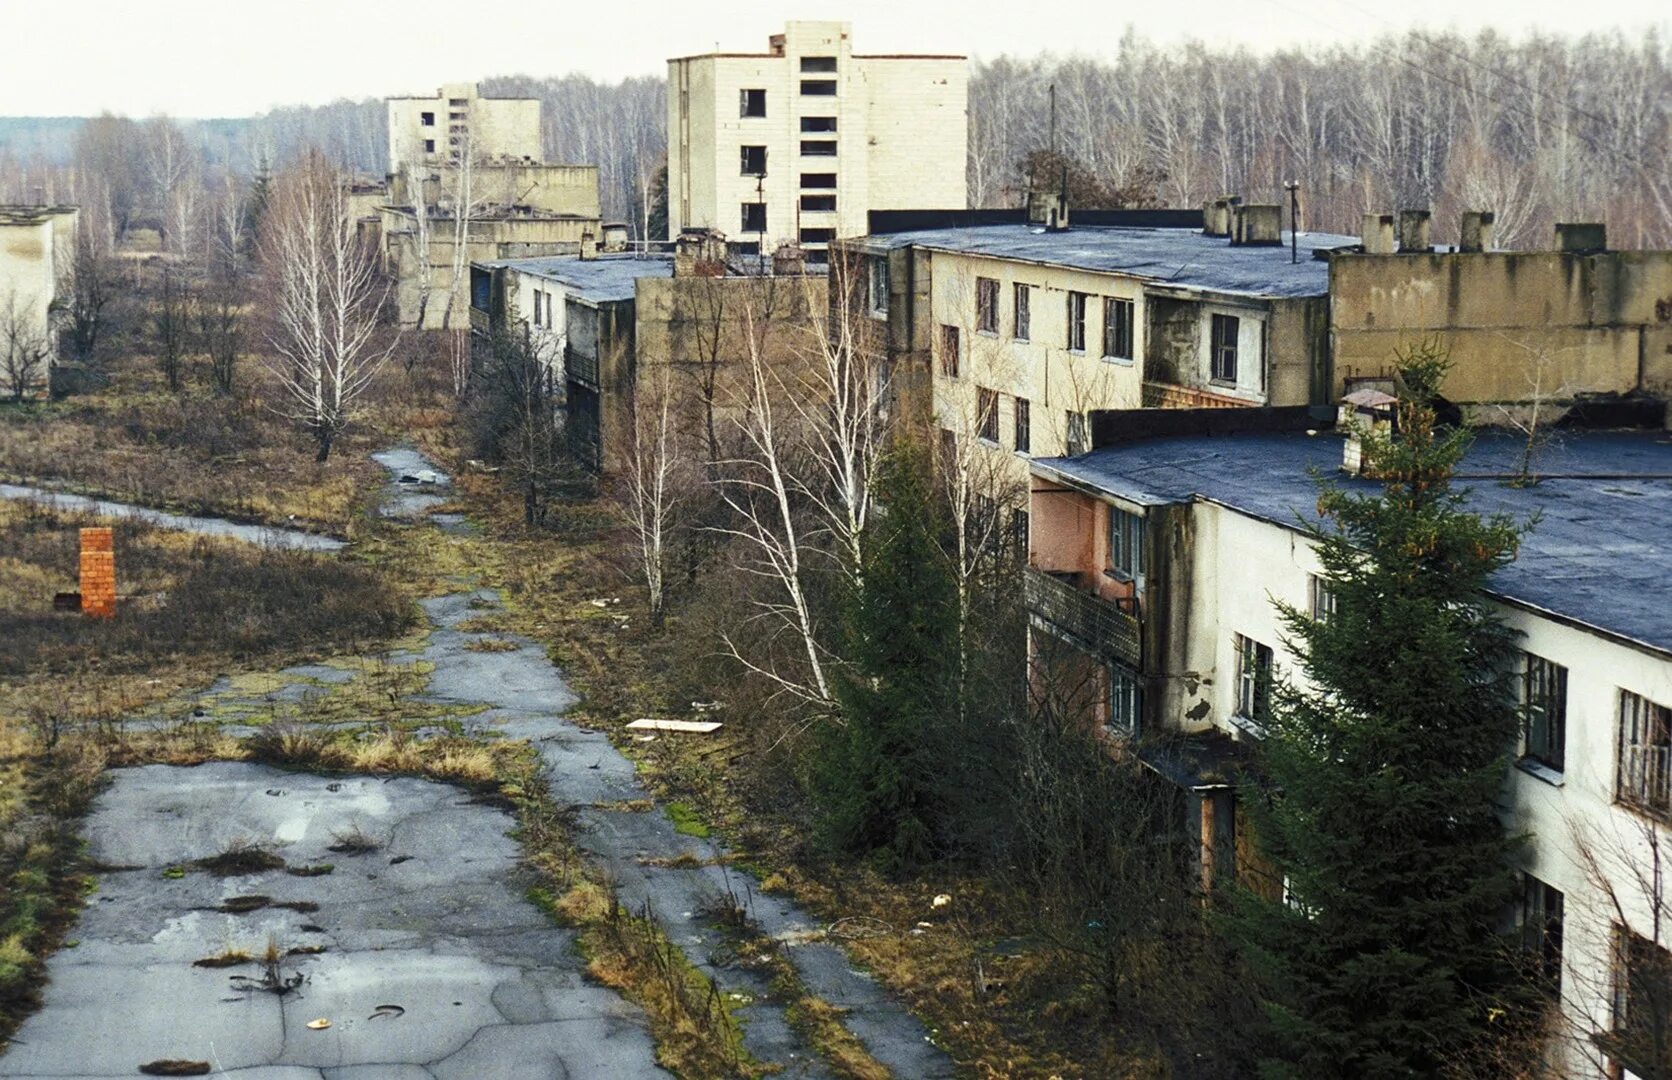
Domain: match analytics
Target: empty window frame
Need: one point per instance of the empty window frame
(987, 414)
(1544, 712)
(818, 65)
(1126, 544)
(818, 87)
(1323, 598)
(818, 147)
(456, 103)
(1117, 328)
(1023, 299)
(818, 125)
(1125, 700)
(817, 236)
(429, 146)
(818, 202)
(1642, 1005)
(751, 103)
(1075, 431)
(752, 160)
(427, 119)
(1253, 680)
(754, 217)
(1019, 533)
(987, 305)
(949, 354)
(1222, 357)
(538, 297)
(1024, 426)
(816, 181)
(1644, 769)
(879, 284)
(1541, 928)
(1077, 322)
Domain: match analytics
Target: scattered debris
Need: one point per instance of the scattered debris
(941, 900)
(699, 727)
(241, 857)
(387, 1012)
(354, 841)
(317, 870)
(230, 958)
(859, 927)
(644, 738)
(319, 1025)
(175, 1067)
(398, 859)
(707, 706)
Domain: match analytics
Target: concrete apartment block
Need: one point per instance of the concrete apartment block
(429, 131)
(801, 142)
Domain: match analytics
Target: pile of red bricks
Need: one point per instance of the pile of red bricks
(98, 573)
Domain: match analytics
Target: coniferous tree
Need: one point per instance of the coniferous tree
(1381, 767)
(879, 772)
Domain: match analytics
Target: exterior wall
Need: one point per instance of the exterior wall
(497, 127)
(37, 261)
(901, 135)
(550, 189)
(1578, 323)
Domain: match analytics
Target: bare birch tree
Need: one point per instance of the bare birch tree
(655, 482)
(327, 296)
(25, 346)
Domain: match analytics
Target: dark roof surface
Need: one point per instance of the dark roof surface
(600, 280)
(1600, 552)
(1180, 257)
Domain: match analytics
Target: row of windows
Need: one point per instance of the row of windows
(753, 218)
(751, 103)
(1118, 317)
(752, 159)
(987, 419)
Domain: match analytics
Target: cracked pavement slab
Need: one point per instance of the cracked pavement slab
(433, 921)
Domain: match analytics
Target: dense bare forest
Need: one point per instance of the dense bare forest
(1537, 129)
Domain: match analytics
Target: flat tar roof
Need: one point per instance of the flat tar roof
(1183, 258)
(1600, 553)
(599, 281)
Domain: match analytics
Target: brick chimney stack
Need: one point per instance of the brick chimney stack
(98, 573)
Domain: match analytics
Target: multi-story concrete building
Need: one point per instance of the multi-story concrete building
(37, 263)
(599, 322)
(800, 142)
(1155, 565)
(428, 132)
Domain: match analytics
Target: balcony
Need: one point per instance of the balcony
(1088, 621)
(581, 368)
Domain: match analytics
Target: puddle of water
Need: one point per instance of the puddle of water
(264, 535)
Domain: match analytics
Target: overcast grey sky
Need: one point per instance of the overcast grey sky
(235, 57)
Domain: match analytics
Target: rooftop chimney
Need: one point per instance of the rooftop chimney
(699, 253)
(789, 260)
(1378, 234)
(1257, 225)
(1050, 208)
(1216, 215)
(1581, 238)
(1476, 232)
(615, 236)
(1414, 232)
(589, 245)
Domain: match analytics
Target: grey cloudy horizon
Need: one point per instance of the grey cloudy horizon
(203, 58)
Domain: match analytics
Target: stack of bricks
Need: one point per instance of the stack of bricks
(98, 573)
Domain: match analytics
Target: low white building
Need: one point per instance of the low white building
(37, 265)
(1160, 562)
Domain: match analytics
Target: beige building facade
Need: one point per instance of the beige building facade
(800, 142)
(37, 261)
(427, 132)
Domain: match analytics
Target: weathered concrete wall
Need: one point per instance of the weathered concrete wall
(495, 127)
(1570, 323)
(1297, 351)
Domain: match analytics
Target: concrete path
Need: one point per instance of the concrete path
(264, 535)
(432, 923)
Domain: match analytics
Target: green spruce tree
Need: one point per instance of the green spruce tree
(879, 785)
(1381, 768)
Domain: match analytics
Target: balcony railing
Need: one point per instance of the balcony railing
(1091, 622)
(581, 368)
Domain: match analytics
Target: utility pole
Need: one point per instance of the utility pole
(1053, 119)
(1293, 188)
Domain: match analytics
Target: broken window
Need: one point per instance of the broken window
(818, 65)
(1541, 928)
(1125, 700)
(1076, 434)
(1024, 426)
(1024, 311)
(1126, 544)
(751, 103)
(752, 161)
(987, 414)
(1117, 328)
(538, 296)
(879, 284)
(1077, 322)
(427, 119)
(1019, 533)
(949, 351)
(1641, 1039)
(1223, 357)
(816, 180)
(1324, 601)
(754, 217)
(987, 305)
(429, 146)
(818, 87)
(1253, 681)
(818, 202)
(456, 103)
(811, 124)
(1544, 712)
(818, 147)
(1645, 755)
(817, 236)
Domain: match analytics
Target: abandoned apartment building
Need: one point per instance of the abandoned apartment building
(467, 181)
(801, 142)
(1155, 566)
(600, 321)
(37, 264)
(1022, 323)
